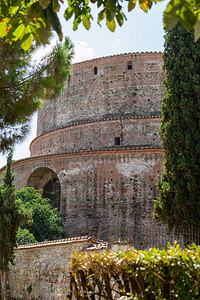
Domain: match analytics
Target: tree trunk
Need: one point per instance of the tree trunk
(3, 285)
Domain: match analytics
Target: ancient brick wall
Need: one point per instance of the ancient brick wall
(100, 141)
(135, 132)
(107, 194)
(115, 91)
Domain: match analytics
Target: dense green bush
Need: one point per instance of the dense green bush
(151, 274)
(47, 221)
(24, 236)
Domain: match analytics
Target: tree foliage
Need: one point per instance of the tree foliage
(12, 214)
(47, 222)
(34, 19)
(178, 203)
(150, 274)
(24, 236)
(24, 83)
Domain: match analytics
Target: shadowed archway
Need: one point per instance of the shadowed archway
(47, 180)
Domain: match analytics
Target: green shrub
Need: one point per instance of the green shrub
(151, 274)
(47, 222)
(24, 236)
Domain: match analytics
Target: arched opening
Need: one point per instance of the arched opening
(52, 191)
(47, 180)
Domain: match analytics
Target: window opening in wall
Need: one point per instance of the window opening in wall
(52, 191)
(117, 141)
(129, 65)
(95, 70)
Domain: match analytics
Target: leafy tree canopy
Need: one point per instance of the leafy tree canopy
(47, 224)
(24, 83)
(33, 19)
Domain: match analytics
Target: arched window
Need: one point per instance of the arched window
(52, 191)
(95, 70)
(46, 179)
(130, 65)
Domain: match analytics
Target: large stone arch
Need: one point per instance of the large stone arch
(47, 180)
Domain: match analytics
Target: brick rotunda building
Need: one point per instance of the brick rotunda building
(97, 154)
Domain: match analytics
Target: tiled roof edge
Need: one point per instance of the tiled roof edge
(58, 242)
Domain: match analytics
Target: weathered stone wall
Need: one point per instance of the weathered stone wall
(41, 270)
(99, 135)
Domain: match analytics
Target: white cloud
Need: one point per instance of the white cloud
(83, 52)
(43, 50)
(117, 43)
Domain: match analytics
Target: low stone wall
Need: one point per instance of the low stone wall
(41, 270)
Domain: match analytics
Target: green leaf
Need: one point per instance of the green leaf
(53, 18)
(101, 16)
(197, 29)
(43, 30)
(110, 15)
(112, 4)
(26, 39)
(14, 9)
(33, 12)
(120, 19)
(170, 17)
(34, 33)
(3, 28)
(99, 3)
(111, 25)
(144, 5)
(44, 3)
(76, 23)
(68, 13)
(19, 31)
(55, 5)
(188, 18)
(86, 21)
(131, 5)
(170, 21)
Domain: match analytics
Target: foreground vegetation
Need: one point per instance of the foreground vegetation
(150, 274)
(12, 214)
(178, 203)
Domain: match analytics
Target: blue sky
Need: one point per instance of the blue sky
(141, 32)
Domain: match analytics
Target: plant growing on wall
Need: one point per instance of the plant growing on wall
(12, 214)
(178, 203)
(47, 223)
(24, 83)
